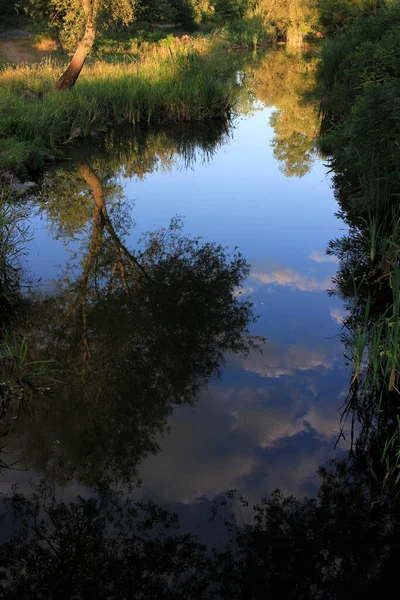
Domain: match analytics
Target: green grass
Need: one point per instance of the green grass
(369, 280)
(171, 83)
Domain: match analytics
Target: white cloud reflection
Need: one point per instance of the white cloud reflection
(275, 361)
(338, 315)
(241, 438)
(322, 257)
(289, 278)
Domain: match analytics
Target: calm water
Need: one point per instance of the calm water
(269, 419)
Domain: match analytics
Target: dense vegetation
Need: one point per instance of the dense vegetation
(171, 298)
(107, 546)
(110, 546)
(359, 76)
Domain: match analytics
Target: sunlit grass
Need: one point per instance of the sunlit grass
(169, 83)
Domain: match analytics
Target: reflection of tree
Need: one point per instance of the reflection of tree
(284, 80)
(14, 234)
(137, 332)
(319, 547)
(109, 546)
(20, 377)
(68, 201)
(101, 547)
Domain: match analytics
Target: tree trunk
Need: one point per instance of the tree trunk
(69, 77)
(122, 251)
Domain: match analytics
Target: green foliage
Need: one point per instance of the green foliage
(21, 377)
(15, 155)
(288, 20)
(11, 12)
(138, 330)
(248, 32)
(70, 16)
(230, 10)
(157, 11)
(359, 77)
(336, 15)
(185, 14)
(92, 547)
(284, 80)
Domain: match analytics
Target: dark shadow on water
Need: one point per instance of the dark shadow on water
(108, 546)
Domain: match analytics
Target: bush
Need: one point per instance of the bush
(335, 15)
(359, 76)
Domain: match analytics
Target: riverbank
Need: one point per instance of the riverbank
(178, 82)
(359, 78)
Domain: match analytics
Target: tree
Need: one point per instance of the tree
(292, 20)
(14, 235)
(335, 15)
(322, 547)
(81, 19)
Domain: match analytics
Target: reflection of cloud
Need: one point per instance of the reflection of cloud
(321, 257)
(275, 361)
(267, 422)
(288, 277)
(250, 438)
(191, 464)
(338, 315)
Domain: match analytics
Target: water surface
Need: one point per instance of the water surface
(266, 420)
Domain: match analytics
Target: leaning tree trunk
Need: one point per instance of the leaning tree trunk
(67, 80)
(122, 251)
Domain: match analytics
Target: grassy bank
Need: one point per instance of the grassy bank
(359, 77)
(171, 83)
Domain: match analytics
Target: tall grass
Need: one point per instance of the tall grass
(359, 79)
(371, 260)
(172, 83)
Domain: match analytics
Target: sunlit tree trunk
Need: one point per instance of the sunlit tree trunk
(69, 77)
(122, 251)
(94, 250)
(101, 222)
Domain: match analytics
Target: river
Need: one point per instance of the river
(148, 397)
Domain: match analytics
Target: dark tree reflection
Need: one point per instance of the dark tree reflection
(317, 548)
(108, 546)
(136, 330)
